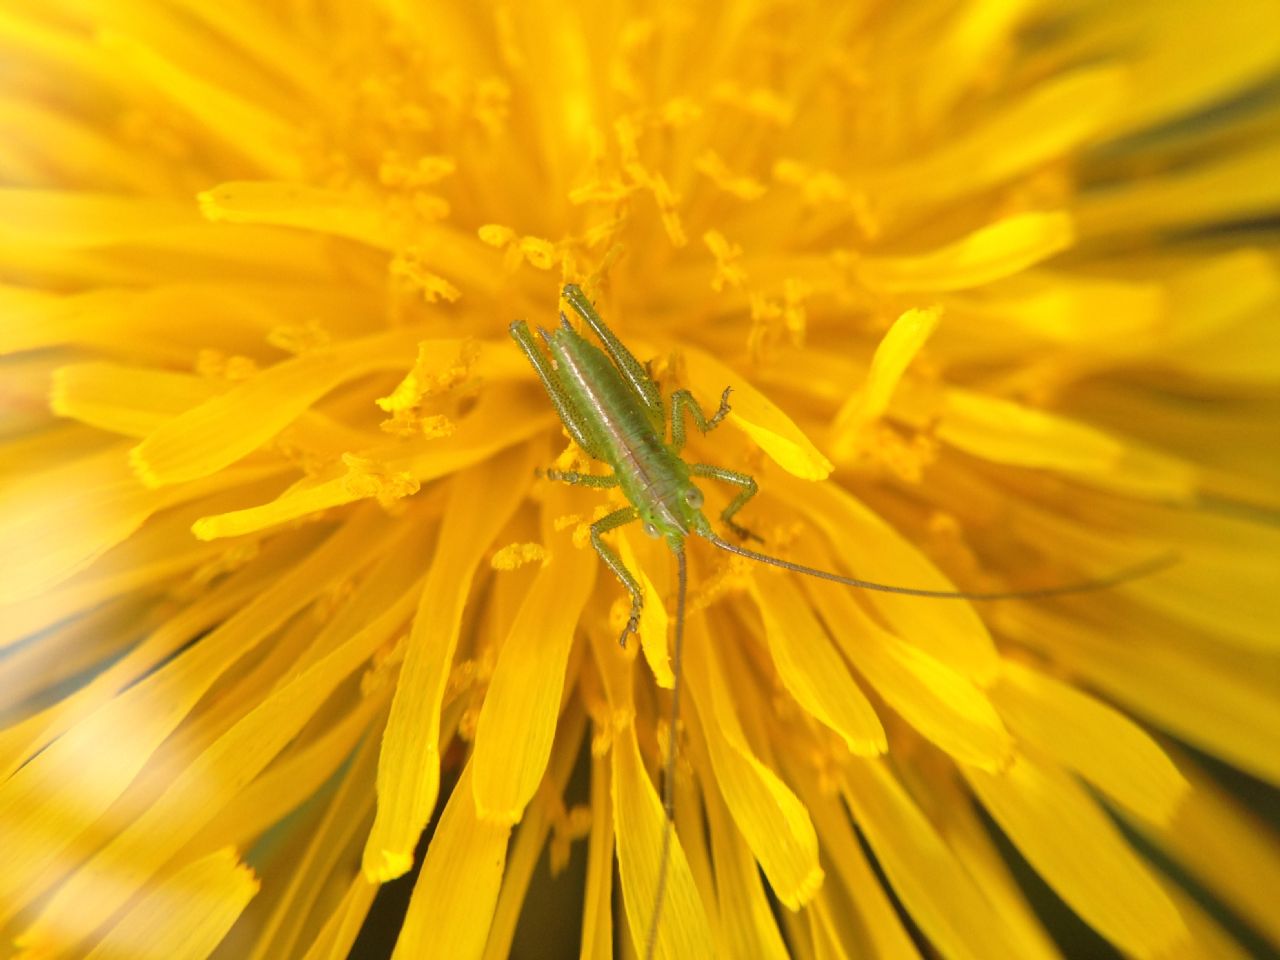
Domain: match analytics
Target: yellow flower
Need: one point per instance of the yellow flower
(996, 286)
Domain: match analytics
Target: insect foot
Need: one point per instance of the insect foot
(633, 624)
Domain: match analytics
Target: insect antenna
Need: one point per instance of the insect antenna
(669, 765)
(1144, 569)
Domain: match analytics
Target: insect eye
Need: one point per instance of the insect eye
(694, 498)
(651, 530)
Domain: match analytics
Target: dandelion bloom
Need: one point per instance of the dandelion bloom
(996, 286)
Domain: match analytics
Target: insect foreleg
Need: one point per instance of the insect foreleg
(682, 401)
(568, 415)
(610, 522)
(634, 372)
(582, 479)
(745, 481)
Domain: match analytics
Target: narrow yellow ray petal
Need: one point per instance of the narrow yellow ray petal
(972, 844)
(746, 922)
(810, 668)
(278, 932)
(774, 824)
(1046, 122)
(133, 401)
(885, 933)
(933, 886)
(653, 617)
(1230, 53)
(199, 791)
(409, 764)
(72, 152)
(1229, 849)
(1011, 433)
(637, 814)
(230, 425)
(525, 853)
(497, 423)
(948, 630)
(1234, 187)
(68, 219)
(517, 722)
(893, 354)
(1064, 308)
(105, 751)
(344, 922)
(990, 253)
(288, 783)
(1071, 842)
(943, 705)
(185, 915)
(77, 512)
(259, 135)
(597, 905)
(1219, 700)
(454, 898)
(300, 206)
(828, 944)
(774, 432)
(1096, 741)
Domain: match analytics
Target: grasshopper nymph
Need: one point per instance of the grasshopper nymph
(614, 411)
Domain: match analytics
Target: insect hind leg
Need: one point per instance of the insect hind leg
(611, 522)
(632, 370)
(683, 401)
(749, 489)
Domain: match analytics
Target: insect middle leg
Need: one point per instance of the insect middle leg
(743, 480)
(682, 401)
(581, 479)
(606, 523)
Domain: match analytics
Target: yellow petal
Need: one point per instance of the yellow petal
(67, 219)
(597, 905)
(1220, 699)
(454, 898)
(225, 428)
(518, 720)
(683, 930)
(1072, 843)
(1226, 847)
(746, 922)
(972, 843)
(945, 706)
(344, 922)
(496, 423)
(409, 765)
(948, 630)
(1005, 432)
(773, 822)
(654, 622)
(774, 432)
(185, 915)
(103, 753)
(531, 839)
(933, 886)
(811, 669)
(990, 253)
(885, 934)
(1055, 117)
(893, 354)
(247, 128)
(1101, 744)
(132, 401)
(200, 790)
(300, 206)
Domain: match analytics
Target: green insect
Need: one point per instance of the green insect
(614, 411)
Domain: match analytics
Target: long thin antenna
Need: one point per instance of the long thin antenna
(1146, 568)
(669, 772)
